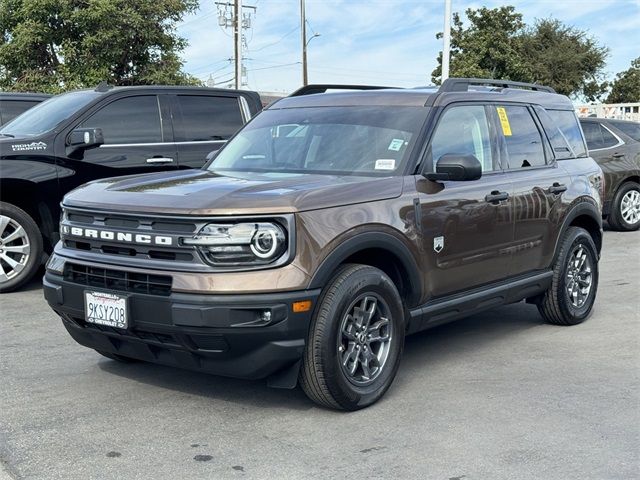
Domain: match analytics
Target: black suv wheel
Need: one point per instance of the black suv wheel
(625, 209)
(575, 280)
(20, 247)
(355, 340)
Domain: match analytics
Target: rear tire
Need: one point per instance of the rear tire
(570, 298)
(116, 357)
(625, 208)
(355, 340)
(20, 247)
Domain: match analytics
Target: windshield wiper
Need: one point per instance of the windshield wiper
(7, 135)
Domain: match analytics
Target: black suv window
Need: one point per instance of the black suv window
(522, 138)
(208, 117)
(128, 120)
(567, 122)
(12, 108)
(597, 136)
(464, 130)
(629, 128)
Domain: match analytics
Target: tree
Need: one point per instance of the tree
(497, 44)
(56, 45)
(626, 87)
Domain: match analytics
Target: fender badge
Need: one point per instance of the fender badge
(438, 244)
(23, 147)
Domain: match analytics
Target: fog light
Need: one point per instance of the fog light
(265, 316)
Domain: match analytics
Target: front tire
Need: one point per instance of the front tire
(355, 340)
(625, 209)
(570, 298)
(20, 247)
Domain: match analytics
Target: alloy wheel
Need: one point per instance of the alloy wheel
(365, 339)
(15, 248)
(630, 207)
(579, 276)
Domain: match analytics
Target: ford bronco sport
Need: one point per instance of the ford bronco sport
(332, 225)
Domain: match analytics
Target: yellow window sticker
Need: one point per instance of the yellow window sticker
(504, 121)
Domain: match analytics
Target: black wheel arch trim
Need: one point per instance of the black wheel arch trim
(583, 207)
(370, 240)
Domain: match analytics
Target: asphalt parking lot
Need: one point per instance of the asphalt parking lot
(499, 395)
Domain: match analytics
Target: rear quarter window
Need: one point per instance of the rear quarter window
(567, 122)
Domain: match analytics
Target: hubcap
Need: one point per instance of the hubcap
(630, 207)
(14, 248)
(365, 339)
(579, 276)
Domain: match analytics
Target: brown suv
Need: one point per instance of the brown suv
(330, 227)
(615, 145)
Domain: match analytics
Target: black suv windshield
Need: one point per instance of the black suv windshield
(47, 115)
(367, 140)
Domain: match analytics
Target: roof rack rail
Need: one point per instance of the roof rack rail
(462, 84)
(322, 88)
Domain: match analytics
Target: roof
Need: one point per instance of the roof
(23, 96)
(453, 89)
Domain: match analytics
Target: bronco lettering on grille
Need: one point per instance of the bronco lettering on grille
(110, 235)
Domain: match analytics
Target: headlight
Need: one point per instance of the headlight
(240, 243)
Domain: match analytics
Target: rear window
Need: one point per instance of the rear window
(630, 129)
(597, 136)
(208, 118)
(567, 122)
(10, 109)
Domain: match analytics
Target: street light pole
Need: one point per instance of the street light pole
(237, 37)
(303, 30)
(446, 40)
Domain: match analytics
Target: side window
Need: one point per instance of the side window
(567, 122)
(464, 130)
(128, 120)
(523, 141)
(12, 108)
(597, 136)
(629, 128)
(608, 139)
(206, 118)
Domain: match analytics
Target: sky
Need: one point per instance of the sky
(381, 42)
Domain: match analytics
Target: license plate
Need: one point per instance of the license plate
(105, 308)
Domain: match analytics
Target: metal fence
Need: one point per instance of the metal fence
(621, 111)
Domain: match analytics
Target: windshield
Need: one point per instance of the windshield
(48, 114)
(369, 140)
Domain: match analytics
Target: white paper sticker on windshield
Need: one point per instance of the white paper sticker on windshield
(396, 144)
(385, 164)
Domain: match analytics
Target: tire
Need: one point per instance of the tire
(558, 306)
(625, 208)
(323, 376)
(116, 357)
(21, 255)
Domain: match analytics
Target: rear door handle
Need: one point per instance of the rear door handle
(160, 160)
(557, 188)
(496, 196)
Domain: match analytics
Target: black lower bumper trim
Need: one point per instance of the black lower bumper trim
(221, 334)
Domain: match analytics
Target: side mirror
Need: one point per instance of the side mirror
(453, 166)
(212, 155)
(83, 139)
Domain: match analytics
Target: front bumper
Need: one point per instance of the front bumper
(218, 334)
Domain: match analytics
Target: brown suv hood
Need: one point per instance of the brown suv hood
(197, 192)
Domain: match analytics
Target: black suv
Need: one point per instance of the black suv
(14, 104)
(88, 134)
(615, 145)
(332, 225)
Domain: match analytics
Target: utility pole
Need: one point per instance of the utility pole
(237, 40)
(446, 40)
(238, 22)
(303, 29)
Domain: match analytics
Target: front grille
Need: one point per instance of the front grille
(118, 280)
(149, 227)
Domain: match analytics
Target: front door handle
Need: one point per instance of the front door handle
(496, 196)
(557, 188)
(618, 155)
(160, 160)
